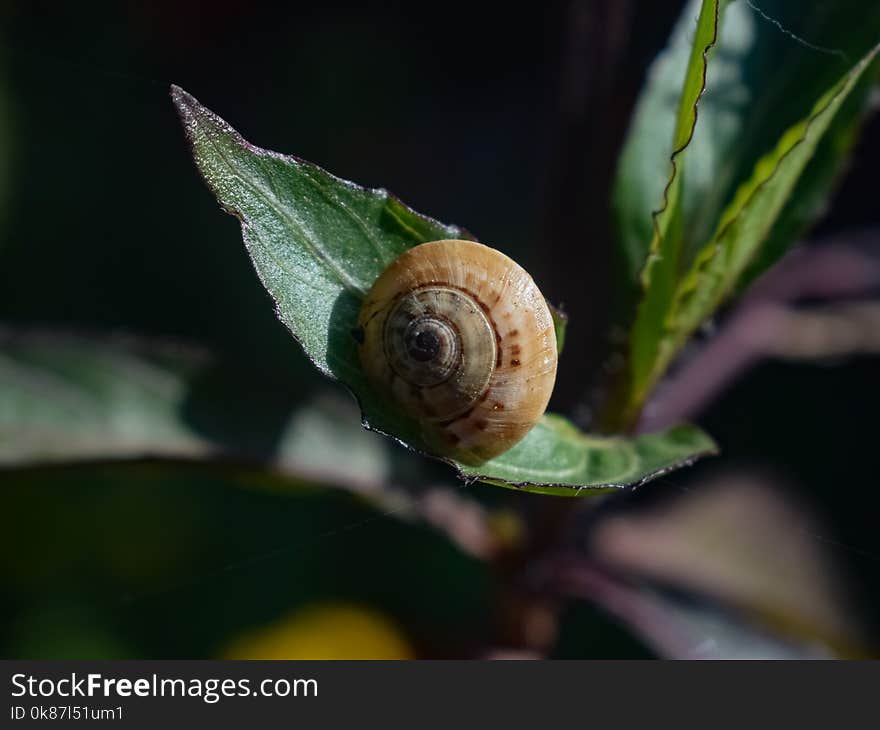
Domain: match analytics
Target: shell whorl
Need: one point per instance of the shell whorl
(458, 335)
(440, 341)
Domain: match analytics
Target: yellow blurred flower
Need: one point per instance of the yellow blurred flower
(324, 631)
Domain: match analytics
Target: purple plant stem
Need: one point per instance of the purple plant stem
(830, 272)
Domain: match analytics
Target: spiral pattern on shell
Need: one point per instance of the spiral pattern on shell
(459, 336)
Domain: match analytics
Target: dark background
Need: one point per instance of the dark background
(504, 119)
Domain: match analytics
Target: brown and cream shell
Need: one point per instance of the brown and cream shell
(459, 336)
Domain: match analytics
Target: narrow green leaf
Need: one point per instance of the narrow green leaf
(755, 209)
(659, 262)
(744, 226)
(318, 242)
(765, 72)
(648, 187)
(809, 199)
(659, 276)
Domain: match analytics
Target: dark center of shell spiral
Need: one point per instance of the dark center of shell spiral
(439, 340)
(425, 350)
(424, 344)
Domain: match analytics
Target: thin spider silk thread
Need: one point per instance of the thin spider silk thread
(798, 39)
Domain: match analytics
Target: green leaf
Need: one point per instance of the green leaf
(760, 80)
(560, 325)
(817, 182)
(778, 73)
(318, 242)
(155, 410)
(67, 399)
(640, 183)
(663, 324)
(659, 276)
(556, 458)
(763, 77)
(648, 188)
(756, 207)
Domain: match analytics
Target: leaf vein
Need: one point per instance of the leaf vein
(275, 204)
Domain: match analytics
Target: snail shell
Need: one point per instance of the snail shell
(460, 337)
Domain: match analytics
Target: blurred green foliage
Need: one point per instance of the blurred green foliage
(106, 228)
(122, 561)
